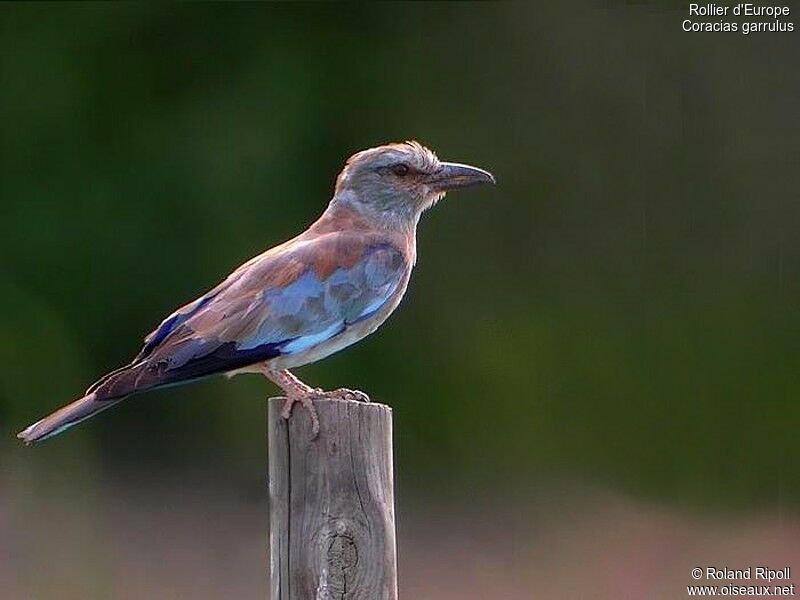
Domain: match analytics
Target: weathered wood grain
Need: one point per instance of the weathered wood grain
(332, 531)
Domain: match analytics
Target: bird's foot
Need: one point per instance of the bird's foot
(307, 400)
(307, 397)
(345, 394)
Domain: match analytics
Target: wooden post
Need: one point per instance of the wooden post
(332, 531)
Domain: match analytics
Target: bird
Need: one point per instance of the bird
(300, 301)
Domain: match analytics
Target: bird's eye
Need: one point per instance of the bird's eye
(400, 169)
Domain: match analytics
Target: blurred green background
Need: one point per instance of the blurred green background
(621, 313)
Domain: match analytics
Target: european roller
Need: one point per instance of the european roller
(298, 302)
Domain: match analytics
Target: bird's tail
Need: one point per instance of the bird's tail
(64, 418)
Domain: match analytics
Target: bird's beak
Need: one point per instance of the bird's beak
(452, 176)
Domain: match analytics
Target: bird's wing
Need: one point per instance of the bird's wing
(285, 301)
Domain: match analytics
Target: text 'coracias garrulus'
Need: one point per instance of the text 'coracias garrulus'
(298, 302)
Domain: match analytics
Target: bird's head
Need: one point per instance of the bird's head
(400, 181)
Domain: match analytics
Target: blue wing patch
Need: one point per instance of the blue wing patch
(309, 312)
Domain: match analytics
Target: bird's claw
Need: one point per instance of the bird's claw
(347, 394)
(307, 400)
